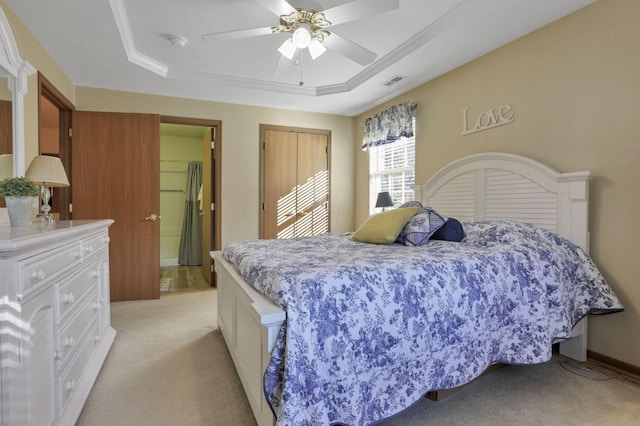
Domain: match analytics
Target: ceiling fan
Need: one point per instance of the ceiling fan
(309, 29)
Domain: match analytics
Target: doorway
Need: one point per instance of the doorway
(54, 139)
(189, 194)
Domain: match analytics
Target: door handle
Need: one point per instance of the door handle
(152, 217)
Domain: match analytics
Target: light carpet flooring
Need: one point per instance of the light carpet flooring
(169, 366)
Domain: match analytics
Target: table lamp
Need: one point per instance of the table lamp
(47, 171)
(384, 200)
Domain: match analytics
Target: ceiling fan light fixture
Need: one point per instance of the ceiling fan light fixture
(287, 49)
(301, 38)
(316, 48)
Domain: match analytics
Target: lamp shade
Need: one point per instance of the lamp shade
(48, 171)
(384, 200)
(6, 166)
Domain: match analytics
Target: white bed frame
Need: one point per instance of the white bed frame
(488, 186)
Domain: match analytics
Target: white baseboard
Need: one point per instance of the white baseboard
(169, 262)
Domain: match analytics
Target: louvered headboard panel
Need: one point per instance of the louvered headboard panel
(456, 197)
(511, 196)
(498, 186)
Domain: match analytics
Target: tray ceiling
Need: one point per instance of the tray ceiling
(127, 45)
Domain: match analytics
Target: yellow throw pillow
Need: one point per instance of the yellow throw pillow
(383, 228)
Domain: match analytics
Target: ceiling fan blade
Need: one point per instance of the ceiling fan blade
(279, 7)
(288, 49)
(358, 9)
(349, 49)
(236, 34)
(284, 66)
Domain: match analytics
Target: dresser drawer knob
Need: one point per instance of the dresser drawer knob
(72, 385)
(70, 342)
(88, 249)
(96, 306)
(38, 275)
(69, 298)
(106, 239)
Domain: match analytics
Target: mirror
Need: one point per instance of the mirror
(13, 86)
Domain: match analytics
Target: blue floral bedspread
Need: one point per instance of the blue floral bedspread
(371, 328)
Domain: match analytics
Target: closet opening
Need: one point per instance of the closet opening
(189, 202)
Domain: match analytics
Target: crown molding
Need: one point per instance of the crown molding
(135, 57)
(420, 39)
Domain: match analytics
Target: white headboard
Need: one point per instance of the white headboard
(499, 186)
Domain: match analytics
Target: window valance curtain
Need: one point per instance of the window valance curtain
(389, 125)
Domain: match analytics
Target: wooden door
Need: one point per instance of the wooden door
(116, 175)
(54, 111)
(294, 182)
(280, 177)
(313, 185)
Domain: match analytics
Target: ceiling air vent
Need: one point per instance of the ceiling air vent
(393, 80)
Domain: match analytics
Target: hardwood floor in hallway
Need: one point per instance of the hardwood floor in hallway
(180, 278)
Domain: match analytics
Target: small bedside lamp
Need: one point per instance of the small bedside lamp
(384, 200)
(47, 172)
(6, 166)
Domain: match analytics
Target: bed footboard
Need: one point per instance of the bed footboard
(576, 347)
(249, 323)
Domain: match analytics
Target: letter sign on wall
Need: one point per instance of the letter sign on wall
(488, 119)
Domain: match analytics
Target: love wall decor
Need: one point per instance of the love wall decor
(497, 116)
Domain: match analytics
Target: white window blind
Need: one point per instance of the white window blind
(392, 169)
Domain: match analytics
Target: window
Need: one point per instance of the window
(390, 138)
(392, 169)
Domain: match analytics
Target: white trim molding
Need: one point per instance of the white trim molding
(135, 57)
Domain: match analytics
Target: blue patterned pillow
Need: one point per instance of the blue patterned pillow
(412, 204)
(421, 226)
(452, 230)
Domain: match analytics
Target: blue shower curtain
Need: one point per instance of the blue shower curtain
(191, 238)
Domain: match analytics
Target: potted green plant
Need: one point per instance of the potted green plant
(18, 192)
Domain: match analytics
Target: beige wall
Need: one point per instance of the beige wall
(575, 89)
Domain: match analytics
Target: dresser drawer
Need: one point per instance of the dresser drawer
(74, 330)
(71, 376)
(40, 269)
(95, 243)
(74, 287)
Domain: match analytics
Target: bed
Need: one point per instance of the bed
(491, 194)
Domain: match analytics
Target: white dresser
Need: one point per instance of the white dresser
(55, 330)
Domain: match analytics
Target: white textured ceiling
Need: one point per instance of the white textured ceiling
(420, 40)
